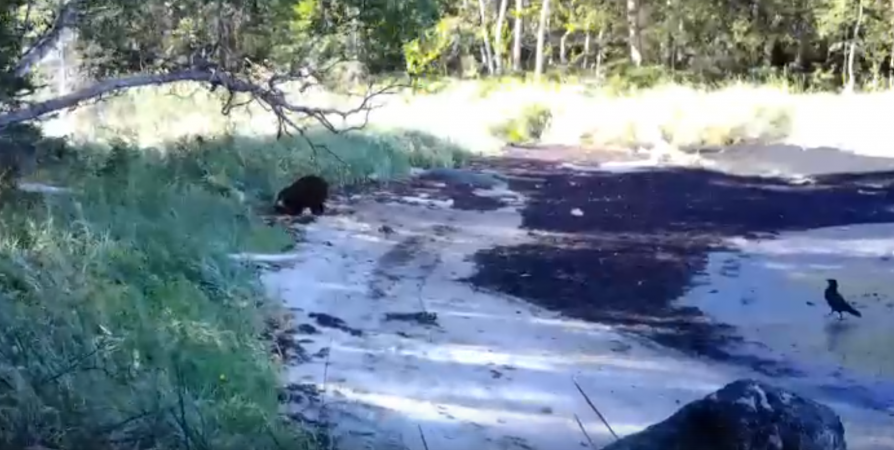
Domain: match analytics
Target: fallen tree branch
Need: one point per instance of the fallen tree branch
(422, 436)
(268, 94)
(584, 431)
(274, 97)
(104, 87)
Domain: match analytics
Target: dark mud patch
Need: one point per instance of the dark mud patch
(619, 248)
(748, 159)
(400, 255)
(440, 184)
(461, 194)
(330, 321)
(281, 335)
(420, 317)
(302, 401)
(300, 394)
(466, 199)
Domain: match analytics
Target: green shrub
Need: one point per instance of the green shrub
(528, 127)
(628, 78)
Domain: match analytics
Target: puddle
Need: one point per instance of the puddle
(771, 290)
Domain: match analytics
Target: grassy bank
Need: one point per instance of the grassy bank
(124, 324)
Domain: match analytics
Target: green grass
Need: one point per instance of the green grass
(124, 324)
(527, 128)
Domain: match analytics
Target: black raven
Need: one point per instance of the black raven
(837, 302)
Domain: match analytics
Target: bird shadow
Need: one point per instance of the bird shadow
(836, 330)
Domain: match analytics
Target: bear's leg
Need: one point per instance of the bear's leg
(280, 208)
(317, 209)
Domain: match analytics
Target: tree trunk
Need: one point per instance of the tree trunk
(599, 52)
(324, 13)
(563, 55)
(674, 25)
(498, 36)
(801, 34)
(541, 33)
(891, 67)
(891, 64)
(488, 54)
(852, 49)
(355, 37)
(633, 33)
(517, 36)
(585, 61)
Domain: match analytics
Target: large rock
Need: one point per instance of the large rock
(743, 415)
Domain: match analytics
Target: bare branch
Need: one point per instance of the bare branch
(422, 436)
(102, 88)
(584, 431)
(65, 18)
(596, 410)
(267, 93)
(23, 26)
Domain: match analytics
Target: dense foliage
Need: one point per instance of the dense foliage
(707, 39)
(704, 39)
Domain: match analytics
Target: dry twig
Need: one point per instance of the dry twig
(593, 407)
(422, 435)
(584, 431)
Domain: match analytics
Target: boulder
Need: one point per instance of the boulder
(743, 415)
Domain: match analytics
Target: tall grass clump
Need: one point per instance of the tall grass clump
(527, 127)
(257, 168)
(124, 323)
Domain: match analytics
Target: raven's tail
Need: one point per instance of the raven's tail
(853, 311)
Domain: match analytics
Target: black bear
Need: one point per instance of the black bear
(308, 191)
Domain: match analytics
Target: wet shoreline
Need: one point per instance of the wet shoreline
(639, 240)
